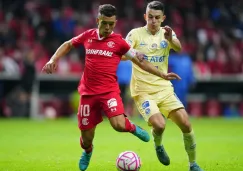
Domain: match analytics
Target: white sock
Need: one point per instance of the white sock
(190, 146)
(157, 139)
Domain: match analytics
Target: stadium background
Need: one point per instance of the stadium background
(30, 31)
(211, 65)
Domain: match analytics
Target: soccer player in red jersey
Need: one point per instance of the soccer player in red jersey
(98, 87)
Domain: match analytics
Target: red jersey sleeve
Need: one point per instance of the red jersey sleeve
(124, 46)
(79, 40)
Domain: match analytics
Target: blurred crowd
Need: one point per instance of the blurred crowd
(211, 32)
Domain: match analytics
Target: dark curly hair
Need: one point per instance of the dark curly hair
(107, 10)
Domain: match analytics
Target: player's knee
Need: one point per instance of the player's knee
(158, 123)
(86, 142)
(159, 127)
(181, 118)
(186, 126)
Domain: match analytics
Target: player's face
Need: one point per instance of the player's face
(106, 25)
(154, 18)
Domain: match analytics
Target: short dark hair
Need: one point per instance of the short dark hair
(107, 10)
(156, 5)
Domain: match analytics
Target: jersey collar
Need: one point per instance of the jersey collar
(146, 28)
(98, 34)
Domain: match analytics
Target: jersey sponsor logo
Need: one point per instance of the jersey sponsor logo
(142, 44)
(155, 58)
(163, 44)
(85, 121)
(112, 103)
(110, 44)
(98, 52)
(145, 104)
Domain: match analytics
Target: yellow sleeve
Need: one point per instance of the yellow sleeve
(131, 38)
(173, 37)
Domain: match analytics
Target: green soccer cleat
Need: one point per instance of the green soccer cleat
(84, 161)
(141, 134)
(195, 167)
(162, 155)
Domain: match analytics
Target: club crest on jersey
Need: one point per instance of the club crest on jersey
(85, 121)
(163, 44)
(110, 44)
(154, 46)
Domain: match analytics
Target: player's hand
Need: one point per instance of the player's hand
(168, 33)
(171, 76)
(50, 67)
(140, 56)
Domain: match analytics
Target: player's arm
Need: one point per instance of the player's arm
(51, 65)
(138, 59)
(124, 58)
(62, 50)
(175, 45)
(172, 39)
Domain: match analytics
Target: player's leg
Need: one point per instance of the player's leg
(113, 108)
(147, 106)
(158, 123)
(86, 143)
(88, 117)
(174, 109)
(180, 117)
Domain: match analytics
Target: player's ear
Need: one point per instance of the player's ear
(163, 18)
(97, 21)
(145, 17)
(115, 23)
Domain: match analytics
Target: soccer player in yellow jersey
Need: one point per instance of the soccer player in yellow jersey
(153, 95)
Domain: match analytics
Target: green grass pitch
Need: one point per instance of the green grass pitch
(27, 145)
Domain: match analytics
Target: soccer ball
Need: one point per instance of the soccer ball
(128, 161)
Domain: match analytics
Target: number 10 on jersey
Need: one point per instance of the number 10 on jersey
(84, 110)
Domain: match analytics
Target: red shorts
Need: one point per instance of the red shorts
(91, 107)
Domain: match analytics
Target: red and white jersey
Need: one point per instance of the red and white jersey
(102, 58)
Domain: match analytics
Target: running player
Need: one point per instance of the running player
(154, 95)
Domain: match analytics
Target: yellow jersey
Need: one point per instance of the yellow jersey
(156, 49)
